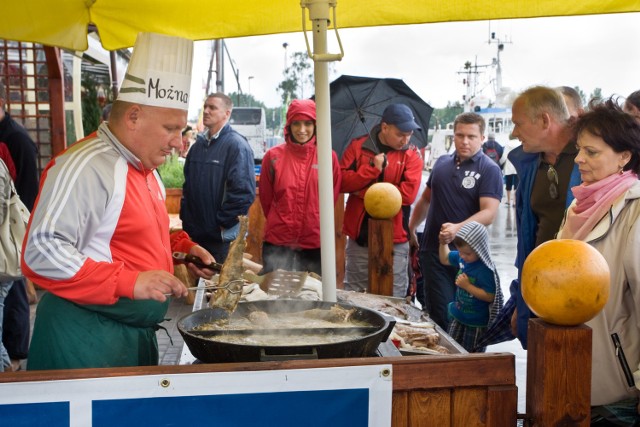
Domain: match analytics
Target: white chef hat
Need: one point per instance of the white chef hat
(159, 72)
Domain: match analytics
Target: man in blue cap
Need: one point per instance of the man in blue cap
(384, 155)
(463, 186)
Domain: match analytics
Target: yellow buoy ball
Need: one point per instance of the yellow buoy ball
(565, 282)
(382, 200)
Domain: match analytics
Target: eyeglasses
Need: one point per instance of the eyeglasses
(552, 176)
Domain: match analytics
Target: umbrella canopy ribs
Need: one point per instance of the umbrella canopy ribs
(357, 104)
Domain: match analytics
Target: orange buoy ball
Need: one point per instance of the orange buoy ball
(565, 282)
(382, 200)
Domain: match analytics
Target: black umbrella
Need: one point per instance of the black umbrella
(357, 104)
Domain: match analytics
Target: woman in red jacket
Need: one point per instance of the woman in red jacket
(289, 194)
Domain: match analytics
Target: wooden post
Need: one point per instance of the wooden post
(558, 374)
(58, 129)
(381, 256)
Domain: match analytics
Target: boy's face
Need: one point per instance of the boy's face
(467, 254)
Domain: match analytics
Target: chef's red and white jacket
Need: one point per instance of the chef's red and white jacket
(99, 220)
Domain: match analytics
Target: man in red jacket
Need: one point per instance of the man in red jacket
(384, 155)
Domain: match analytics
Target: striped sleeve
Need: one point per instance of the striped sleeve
(67, 248)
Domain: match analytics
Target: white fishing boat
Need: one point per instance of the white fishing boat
(495, 108)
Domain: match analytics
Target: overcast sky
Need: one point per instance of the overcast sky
(586, 51)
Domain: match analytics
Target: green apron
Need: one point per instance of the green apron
(68, 335)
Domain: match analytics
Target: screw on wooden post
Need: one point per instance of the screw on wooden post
(558, 375)
(381, 256)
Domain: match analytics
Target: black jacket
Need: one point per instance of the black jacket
(24, 154)
(220, 185)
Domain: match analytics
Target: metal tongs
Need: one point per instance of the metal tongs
(215, 287)
(184, 258)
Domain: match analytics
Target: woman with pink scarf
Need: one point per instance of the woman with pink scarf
(606, 214)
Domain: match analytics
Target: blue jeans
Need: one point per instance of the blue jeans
(5, 361)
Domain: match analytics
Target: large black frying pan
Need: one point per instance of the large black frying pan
(215, 352)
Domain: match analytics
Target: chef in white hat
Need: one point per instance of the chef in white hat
(98, 239)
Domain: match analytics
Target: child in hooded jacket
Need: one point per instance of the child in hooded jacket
(477, 285)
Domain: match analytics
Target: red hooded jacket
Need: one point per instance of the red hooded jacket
(289, 186)
(403, 169)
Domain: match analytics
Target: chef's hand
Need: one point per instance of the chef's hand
(155, 284)
(206, 257)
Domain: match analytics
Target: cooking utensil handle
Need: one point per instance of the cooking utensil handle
(186, 258)
(265, 357)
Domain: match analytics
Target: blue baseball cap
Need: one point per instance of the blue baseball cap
(401, 117)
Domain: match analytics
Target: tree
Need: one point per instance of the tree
(442, 116)
(297, 77)
(90, 109)
(596, 94)
(583, 96)
(244, 100)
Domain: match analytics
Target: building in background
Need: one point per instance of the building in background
(45, 89)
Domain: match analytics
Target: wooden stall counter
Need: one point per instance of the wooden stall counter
(427, 391)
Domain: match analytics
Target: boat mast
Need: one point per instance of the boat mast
(470, 81)
(471, 72)
(496, 62)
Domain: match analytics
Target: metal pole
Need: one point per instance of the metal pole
(219, 66)
(114, 73)
(319, 14)
(213, 54)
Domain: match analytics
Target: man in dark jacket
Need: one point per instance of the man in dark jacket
(23, 160)
(463, 186)
(493, 149)
(546, 172)
(219, 182)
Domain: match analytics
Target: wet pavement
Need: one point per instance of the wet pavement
(503, 252)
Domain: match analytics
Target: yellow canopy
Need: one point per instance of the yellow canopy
(64, 23)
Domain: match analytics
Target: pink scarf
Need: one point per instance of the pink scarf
(593, 202)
